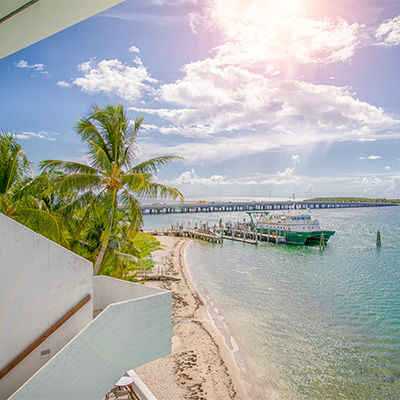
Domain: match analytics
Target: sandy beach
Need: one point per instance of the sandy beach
(200, 366)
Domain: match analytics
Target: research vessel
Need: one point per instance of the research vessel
(296, 226)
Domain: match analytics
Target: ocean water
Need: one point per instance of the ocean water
(306, 323)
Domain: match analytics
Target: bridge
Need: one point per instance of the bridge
(197, 207)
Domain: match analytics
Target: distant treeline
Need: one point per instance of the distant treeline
(355, 199)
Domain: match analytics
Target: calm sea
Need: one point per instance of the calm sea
(306, 323)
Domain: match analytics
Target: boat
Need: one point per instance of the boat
(296, 226)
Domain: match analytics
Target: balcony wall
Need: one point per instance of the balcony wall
(125, 335)
(40, 282)
(108, 290)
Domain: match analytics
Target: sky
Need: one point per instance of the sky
(262, 98)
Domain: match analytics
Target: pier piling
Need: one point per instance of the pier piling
(378, 239)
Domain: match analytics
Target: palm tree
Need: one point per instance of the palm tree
(14, 166)
(23, 197)
(110, 182)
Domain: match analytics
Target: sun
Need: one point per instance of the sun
(228, 13)
(285, 8)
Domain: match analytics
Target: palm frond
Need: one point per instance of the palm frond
(83, 201)
(153, 164)
(153, 190)
(131, 207)
(68, 167)
(80, 182)
(102, 159)
(41, 222)
(126, 256)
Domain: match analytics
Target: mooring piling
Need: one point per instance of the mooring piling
(378, 239)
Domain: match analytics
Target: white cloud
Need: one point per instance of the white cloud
(243, 99)
(394, 186)
(368, 181)
(371, 157)
(36, 68)
(387, 168)
(35, 135)
(295, 159)
(388, 33)
(215, 98)
(86, 66)
(63, 84)
(191, 178)
(282, 178)
(133, 49)
(24, 64)
(213, 150)
(256, 34)
(114, 77)
(234, 111)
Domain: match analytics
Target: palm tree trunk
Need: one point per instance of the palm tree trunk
(100, 257)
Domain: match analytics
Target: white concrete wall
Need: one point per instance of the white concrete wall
(108, 290)
(124, 336)
(40, 282)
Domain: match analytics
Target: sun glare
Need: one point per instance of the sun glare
(286, 8)
(257, 12)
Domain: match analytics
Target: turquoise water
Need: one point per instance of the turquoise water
(308, 324)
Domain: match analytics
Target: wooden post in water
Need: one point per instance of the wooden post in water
(322, 242)
(378, 239)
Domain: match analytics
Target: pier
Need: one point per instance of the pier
(245, 234)
(207, 234)
(253, 206)
(236, 232)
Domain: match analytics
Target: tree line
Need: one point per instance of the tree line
(91, 208)
(355, 199)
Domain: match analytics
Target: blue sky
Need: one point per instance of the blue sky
(261, 98)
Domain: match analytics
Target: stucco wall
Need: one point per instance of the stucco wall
(124, 336)
(40, 281)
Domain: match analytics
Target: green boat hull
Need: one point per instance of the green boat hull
(315, 237)
(300, 237)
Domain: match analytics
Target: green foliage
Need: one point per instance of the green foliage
(112, 183)
(141, 243)
(355, 199)
(14, 167)
(94, 209)
(146, 243)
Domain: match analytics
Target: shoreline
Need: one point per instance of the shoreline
(201, 365)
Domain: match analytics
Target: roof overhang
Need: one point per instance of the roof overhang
(25, 22)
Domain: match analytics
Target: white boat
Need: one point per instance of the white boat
(296, 225)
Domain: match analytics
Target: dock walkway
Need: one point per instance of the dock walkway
(207, 235)
(236, 233)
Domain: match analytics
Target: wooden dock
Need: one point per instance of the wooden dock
(246, 235)
(207, 235)
(236, 232)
